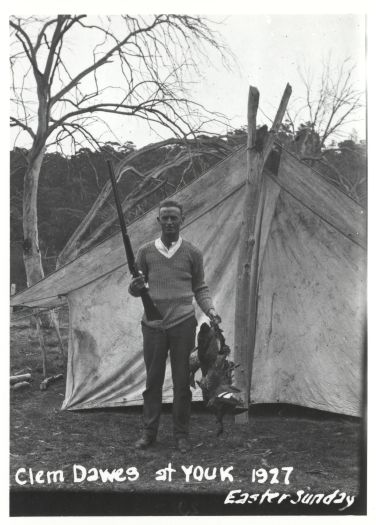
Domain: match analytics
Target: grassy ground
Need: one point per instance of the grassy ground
(322, 449)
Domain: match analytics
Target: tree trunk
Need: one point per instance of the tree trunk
(31, 254)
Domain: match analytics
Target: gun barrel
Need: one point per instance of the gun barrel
(126, 239)
(151, 311)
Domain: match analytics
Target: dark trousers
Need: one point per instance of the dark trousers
(180, 340)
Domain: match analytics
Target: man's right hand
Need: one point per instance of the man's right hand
(137, 284)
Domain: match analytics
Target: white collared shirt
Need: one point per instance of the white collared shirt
(168, 252)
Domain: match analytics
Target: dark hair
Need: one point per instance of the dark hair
(170, 203)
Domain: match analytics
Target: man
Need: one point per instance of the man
(173, 270)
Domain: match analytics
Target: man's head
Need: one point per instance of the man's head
(170, 218)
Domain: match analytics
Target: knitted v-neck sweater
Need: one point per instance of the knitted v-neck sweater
(174, 281)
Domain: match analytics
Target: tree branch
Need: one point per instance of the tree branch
(100, 62)
(17, 122)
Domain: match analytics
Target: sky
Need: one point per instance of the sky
(269, 50)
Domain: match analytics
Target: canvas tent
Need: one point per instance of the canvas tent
(311, 292)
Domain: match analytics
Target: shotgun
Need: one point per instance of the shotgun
(151, 311)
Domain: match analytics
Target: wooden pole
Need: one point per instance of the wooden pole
(247, 273)
(12, 292)
(21, 377)
(41, 344)
(241, 351)
(55, 322)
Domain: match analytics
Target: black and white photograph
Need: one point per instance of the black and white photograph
(188, 263)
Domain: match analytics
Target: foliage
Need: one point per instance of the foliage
(346, 167)
(70, 185)
(343, 164)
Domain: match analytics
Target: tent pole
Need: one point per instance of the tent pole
(247, 271)
(41, 343)
(55, 323)
(243, 283)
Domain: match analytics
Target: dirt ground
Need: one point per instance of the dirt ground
(323, 449)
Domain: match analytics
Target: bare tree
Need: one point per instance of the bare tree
(320, 118)
(327, 105)
(55, 102)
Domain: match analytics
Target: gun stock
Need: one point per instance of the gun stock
(151, 311)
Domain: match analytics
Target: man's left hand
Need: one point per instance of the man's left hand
(214, 317)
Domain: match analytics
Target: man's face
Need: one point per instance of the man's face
(170, 219)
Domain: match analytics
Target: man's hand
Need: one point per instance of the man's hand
(137, 284)
(214, 317)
